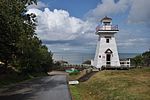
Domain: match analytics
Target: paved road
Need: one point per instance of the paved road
(47, 88)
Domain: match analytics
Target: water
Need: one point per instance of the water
(78, 57)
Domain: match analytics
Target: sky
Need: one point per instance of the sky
(69, 25)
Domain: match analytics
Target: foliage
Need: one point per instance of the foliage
(59, 65)
(146, 58)
(137, 61)
(14, 77)
(20, 47)
(142, 60)
(87, 62)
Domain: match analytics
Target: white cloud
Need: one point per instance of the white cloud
(59, 25)
(140, 11)
(37, 12)
(133, 42)
(108, 7)
(39, 5)
(137, 11)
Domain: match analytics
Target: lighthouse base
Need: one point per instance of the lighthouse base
(124, 64)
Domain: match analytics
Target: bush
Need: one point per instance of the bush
(87, 62)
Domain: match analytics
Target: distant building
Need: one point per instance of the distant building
(106, 51)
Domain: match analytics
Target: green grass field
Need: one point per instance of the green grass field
(133, 84)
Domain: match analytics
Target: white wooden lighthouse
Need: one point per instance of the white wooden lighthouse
(106, 51)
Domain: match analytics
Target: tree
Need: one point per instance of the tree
(137, 61)
(87, 62)
(20, 47)
(142, 60)
(10, 29)
(34, 57)
(146, 58)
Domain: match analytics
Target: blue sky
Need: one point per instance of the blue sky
(69, 25)
(76, 8)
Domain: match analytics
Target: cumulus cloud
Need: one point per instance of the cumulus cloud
(59, 25)
(37, 12)
(39, 5)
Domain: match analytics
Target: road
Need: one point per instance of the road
(46, 88)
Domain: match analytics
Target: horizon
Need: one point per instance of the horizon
(70, 25)
(94, 52)
(80, 57)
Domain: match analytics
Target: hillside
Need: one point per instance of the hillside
(130, 84)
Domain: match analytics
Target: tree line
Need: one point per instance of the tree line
(20, 47)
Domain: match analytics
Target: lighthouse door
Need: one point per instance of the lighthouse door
(108, 53)
(108, 59)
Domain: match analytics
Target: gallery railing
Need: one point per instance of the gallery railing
(103, 28)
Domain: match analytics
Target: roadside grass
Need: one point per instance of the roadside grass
(133, 84)
(13, 78)
(75, 93)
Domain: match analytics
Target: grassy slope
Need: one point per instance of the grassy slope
(131, 84)
(77, 76)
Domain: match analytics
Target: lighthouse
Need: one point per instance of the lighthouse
(106, 50)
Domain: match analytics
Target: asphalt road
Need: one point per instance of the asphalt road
(46, 88)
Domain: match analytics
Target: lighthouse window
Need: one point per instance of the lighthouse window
(106, 23)
(99, 56)
(107, 40)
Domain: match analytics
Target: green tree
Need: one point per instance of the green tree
(137, 61)
(87, 62)
(46, 58)
(34, 57)
(142, 60)
(19, 44)
(11, 22)
(146, 58)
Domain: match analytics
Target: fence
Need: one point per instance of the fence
(123, 63)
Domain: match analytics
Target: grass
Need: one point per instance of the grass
(77, 76)
(12, 78)
(133, 84)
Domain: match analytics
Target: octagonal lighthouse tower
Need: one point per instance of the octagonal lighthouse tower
(106, 51)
